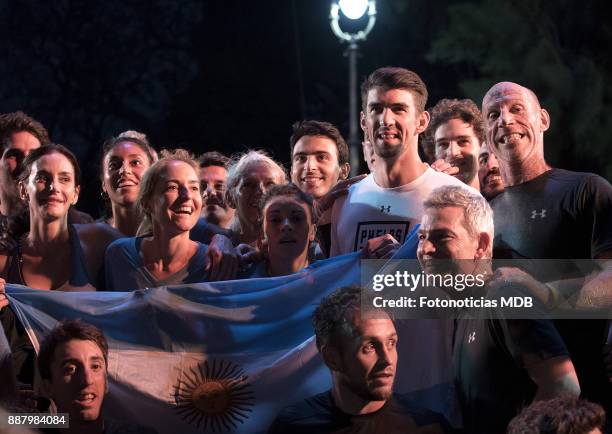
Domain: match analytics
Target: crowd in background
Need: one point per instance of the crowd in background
(474, 179)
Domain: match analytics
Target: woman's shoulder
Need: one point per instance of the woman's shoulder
(98, 233)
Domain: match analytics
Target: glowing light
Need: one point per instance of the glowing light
(353, 9)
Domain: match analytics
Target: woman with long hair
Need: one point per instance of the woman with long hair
(170, 202)
(49, 184)
(48, 253)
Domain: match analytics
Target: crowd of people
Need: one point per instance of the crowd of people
(475, 180)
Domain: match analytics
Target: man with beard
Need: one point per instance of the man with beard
(359, 347)
(491, 182)
(213, 178)
(500, 363)
(389, 201)
(548, 213)
(457, 132)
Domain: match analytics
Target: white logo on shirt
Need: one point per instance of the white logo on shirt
(541, 214)
(471, 337)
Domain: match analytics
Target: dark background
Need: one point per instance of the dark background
(234, 74)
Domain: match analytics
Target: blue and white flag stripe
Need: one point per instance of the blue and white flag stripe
(210, 357)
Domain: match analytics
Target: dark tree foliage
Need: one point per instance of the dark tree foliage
(559, 49)
(89, 70)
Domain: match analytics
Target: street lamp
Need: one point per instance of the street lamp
(353, 10)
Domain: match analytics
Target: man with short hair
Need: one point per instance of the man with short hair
(457, 132)
(491, 182)
(319, 157)
(213, 177)
(390, 199)
(500, 363)
(387, 204)
(19, 135)
(73, 363)
(548, 213)
(359, 347)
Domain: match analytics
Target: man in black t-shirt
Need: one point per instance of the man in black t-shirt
(360, 350)
(500, 364)
(547, 213)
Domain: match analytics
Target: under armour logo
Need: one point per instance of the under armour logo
(535, 214)
(385, 209)
(471, 337)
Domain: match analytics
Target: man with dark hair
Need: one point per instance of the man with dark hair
(389, 201)
(380, 211)
(548, 213)
(73, 363)
(562, 415)
(19, 135)
(360, 350)
(456, 132)
(319, 157)
(213, 177)
(491, 182)
(319, 162)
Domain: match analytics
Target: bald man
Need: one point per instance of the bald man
(548, 213)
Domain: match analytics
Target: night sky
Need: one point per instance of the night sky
(230, 75)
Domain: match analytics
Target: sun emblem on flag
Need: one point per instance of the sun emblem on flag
(214, 396)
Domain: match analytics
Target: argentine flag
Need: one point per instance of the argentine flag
(210, 357)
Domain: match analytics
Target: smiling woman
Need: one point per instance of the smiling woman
(49, 184)
(170, 202)
(124, 161)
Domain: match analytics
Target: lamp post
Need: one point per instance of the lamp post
(353, 10)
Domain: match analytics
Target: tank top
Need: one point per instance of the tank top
(78, 280)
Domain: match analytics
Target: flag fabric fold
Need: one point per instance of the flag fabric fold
(209, 357)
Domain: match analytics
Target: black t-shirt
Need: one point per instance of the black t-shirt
(561, 215)
(489, 355)
(319, 414)
(558, 215)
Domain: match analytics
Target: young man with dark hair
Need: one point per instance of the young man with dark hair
(19, 135)
(73, 363)
(390, 199)
(213, 178)
(360, 350)
(456, 132)
(379, 212)
(319, 164)
(319, 157)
